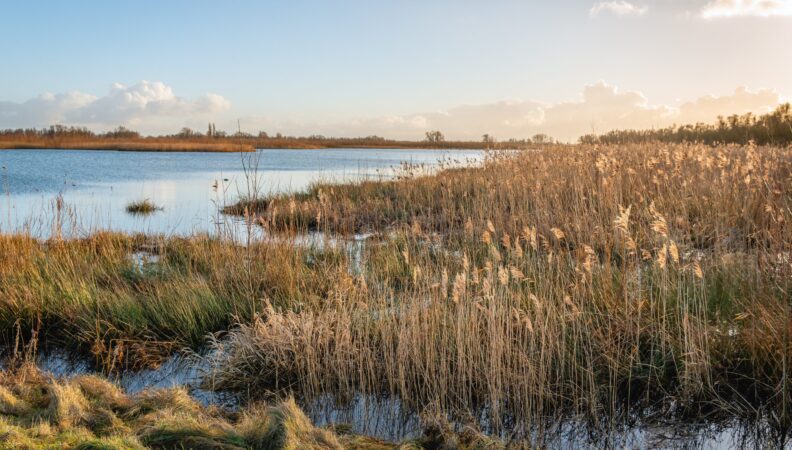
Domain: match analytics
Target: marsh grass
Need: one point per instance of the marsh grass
(143, 207)
(38, 410)
(588, 282)
(603, 284)
(92, 294)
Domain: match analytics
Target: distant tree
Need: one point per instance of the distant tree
(263, 135)
(774, 128)
(434, 137)
(541, 138)
(123, 133)
(488, 140)
(186, 133)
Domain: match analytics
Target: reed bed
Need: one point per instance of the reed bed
(606, 285)
(584, 282)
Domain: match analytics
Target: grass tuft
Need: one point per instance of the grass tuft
(143, 207)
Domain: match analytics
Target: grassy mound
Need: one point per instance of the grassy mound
(143, 207)
(88, 412)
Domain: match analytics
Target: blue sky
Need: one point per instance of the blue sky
(341, 67)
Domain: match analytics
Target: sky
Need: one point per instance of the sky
(509, 68)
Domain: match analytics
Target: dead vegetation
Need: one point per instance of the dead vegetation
(39, 411)
(569, 282)
(604, 284)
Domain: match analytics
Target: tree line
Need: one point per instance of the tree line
(774, 128)
(261, 139)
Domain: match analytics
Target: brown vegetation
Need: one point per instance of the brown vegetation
(131, 300)
(40, 411)
(138, 145)
(566, 282)
(601, 284)
(60, 137)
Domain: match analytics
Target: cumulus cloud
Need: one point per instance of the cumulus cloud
(600, 108)
(153, 108)
(139, 104)
(735, 8)
(620, 8)
(708, 107)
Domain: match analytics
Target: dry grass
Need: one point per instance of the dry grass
(39, 411)
(595, 283)
(136, 298)
(569, 282)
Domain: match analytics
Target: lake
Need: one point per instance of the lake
(97, 186)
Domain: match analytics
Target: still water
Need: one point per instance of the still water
(97, 186)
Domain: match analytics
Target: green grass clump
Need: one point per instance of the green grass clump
(126, 311)
(143, 207)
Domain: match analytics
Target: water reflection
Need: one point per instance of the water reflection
(192, 188)
(385, 417)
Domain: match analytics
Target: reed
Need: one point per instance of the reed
(583, 282)
(600, 284)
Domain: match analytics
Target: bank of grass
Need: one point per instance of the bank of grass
(588, 282)
(132, 299)
(137, 145)
(89, 412)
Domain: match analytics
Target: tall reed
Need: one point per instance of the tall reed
(583, 282)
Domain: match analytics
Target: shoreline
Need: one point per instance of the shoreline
(212, 149)
(136, 147)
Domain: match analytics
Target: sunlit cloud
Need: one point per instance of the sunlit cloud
(716, 9)
(620, 8)
(141, 104)
(600, 108)
(153, 108)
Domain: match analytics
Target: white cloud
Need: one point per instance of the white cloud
(620, 8)
(600, 108)
(707, 108)
(154, 108)
(735, 8)
(143, 103)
